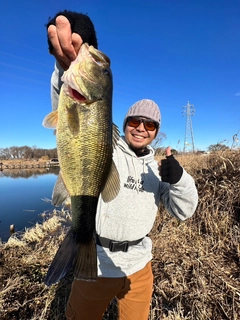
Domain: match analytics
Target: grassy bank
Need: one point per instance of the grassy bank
(196, 263)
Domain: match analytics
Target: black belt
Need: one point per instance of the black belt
(114, 246)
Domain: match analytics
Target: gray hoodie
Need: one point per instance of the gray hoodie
(131, 215)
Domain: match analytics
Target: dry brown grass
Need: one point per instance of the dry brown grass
(196, 262)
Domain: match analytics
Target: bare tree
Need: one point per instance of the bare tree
(26, 152)
(217, 147)
(157, 142)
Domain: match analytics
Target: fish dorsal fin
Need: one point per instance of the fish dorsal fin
(60, 193)
(112, 184)
(115, 135)
(51, 120)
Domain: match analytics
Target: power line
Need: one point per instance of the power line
(189, 111)
(19, 57)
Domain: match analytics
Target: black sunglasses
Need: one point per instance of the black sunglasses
(149, 125)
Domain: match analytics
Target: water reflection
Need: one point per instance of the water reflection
(26, 173)
(22, 197)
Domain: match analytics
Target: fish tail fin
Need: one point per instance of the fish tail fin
(63, 259)
(86, 262)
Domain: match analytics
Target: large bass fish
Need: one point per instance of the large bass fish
(85, 141)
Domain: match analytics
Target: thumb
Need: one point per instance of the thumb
(168, 151)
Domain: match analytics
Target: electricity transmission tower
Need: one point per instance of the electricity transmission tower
(189, 111)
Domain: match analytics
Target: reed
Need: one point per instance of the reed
(195, 263)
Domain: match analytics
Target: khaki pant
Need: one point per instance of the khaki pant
(89, 300)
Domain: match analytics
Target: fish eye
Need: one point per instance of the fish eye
(106, 72)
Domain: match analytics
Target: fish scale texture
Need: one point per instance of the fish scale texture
(84, 165)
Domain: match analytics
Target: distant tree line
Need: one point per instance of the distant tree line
(26, 152)
(218, 147)
(31, 153)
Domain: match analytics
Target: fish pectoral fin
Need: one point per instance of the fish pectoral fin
(73, 119)
(51, 120)
(63, 259)
(60, 193)
(86, 262)
(115, 135)
(112, 184)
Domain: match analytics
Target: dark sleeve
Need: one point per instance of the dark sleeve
(80, 24)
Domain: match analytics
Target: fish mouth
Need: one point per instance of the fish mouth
(76, 95)
(79, 97)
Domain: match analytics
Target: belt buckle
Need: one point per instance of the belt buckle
(118, 246)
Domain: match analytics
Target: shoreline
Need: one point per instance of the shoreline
(27, 164)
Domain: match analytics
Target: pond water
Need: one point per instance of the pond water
(24, 195)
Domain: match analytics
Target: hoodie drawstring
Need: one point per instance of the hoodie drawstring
(135, 172)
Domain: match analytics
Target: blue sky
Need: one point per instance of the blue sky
(171, 51)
